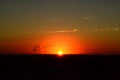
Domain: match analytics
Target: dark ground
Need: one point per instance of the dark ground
(52, 67)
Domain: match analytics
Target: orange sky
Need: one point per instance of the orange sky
(51, 44)
(75, 26)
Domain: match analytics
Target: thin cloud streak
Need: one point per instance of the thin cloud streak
(88, 17)
(62, 31)
(76, 30)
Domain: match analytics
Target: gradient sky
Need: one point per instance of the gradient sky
(95, 24)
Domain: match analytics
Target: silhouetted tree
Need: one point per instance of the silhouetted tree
(36, 48)
(40, 49)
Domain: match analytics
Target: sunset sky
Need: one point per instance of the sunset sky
(73, 26)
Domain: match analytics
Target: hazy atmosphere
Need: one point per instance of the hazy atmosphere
(72, 26)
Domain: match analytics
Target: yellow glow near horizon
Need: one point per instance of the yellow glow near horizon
(60, 52)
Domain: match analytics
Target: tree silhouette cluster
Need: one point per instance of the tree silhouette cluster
(40, 49)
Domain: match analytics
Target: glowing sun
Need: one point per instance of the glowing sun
(60, 53)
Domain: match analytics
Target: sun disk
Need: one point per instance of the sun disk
(60, 53)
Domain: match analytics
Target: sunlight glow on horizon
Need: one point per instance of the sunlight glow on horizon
(60, 53)
(61, 42)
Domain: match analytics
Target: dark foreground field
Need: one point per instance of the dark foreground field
(52, 67)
